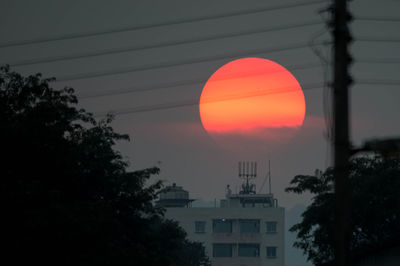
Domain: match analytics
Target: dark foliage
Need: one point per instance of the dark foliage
(68, 197)
(375, 209)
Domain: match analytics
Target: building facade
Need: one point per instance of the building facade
(247, 229)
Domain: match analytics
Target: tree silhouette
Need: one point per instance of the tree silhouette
(69, 199)
(375, 209)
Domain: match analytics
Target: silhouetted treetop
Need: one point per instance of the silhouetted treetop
(70, 199)
(375, 209)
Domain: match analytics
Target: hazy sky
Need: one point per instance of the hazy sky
(175, 137)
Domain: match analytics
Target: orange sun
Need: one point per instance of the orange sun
(249, 94)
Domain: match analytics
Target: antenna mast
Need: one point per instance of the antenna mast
(269, 175)
(247, 171)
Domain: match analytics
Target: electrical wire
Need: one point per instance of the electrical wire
(161, 45)
(379, 19)
(62, 37)
(171, 105)
(130, 69)
(376, 39)
(379, 60)
(326, 90)
(169, 85)
(378, 82)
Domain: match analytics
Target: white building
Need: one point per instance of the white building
(246, 230)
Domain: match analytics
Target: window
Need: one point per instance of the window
(199, 227)
(249, 250)
(271, 252)
(249, 226)
(222, 226)
(271, 227)
(222, 250)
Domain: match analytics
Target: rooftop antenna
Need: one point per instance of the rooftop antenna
(247, 171)
(269, 175)
(269, 178)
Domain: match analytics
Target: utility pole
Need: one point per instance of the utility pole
(342, 80)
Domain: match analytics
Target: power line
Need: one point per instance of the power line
(156, 25)
(378, 82)
(162, 45)
(142, 88)
(130, 69)
(379, 19)
(176, 84)
(213, 58)
(379, 60)
(171, 105)
(376, 39)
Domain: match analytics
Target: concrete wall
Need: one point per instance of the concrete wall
(187, 217)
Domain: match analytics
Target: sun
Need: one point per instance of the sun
(251, 94)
